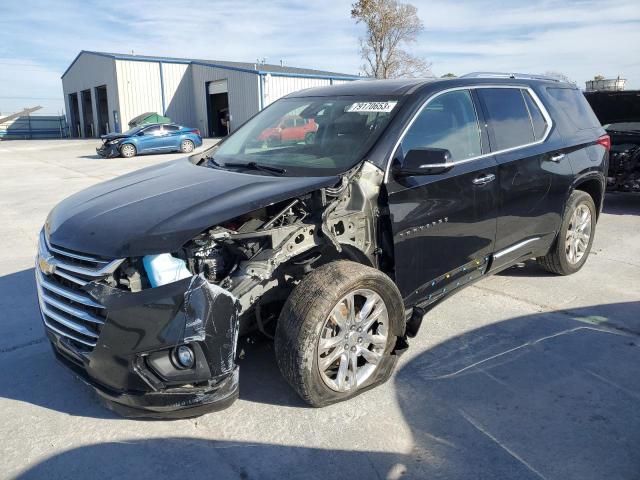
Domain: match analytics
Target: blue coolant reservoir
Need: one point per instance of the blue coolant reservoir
(162, 269)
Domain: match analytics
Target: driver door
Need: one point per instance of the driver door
(444, 222)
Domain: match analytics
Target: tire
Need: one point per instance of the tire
(307, 321)
(309, 138)
(128, 150)
(560, 259)
(187, 146)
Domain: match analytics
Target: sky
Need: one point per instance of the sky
(40, 38)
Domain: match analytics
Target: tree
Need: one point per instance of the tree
(598, 77)
(390, 26)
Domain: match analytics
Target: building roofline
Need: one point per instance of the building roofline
(184, 61)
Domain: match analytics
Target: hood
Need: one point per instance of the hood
(158, 209)
(113, 136)
(615, 107)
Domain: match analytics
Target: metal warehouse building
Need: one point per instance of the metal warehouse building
(104, 91)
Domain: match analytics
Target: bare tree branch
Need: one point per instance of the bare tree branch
(390, 25)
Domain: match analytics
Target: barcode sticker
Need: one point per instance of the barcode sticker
(372, 107)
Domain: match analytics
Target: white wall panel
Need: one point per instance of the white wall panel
(276, 87)
(178, 93)
(138, 89)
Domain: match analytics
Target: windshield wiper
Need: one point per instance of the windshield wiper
(257, 166)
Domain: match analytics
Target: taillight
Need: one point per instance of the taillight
(605, 141)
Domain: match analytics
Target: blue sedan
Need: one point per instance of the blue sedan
(150, 138)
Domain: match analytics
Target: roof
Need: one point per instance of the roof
(408, 86)
(256, 68)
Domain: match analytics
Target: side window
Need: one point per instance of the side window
(508, 117)
(572, 102)
(449, 121)
(537, 119)
(170, 128)
(155, 130)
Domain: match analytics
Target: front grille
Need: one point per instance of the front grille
(66, 307)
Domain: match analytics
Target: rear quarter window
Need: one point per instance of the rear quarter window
(576, 108)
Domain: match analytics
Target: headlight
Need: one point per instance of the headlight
(114, 142)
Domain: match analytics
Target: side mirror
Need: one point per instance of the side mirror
(423, 161)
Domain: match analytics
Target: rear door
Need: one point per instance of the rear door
(171, 137)
(444, 224)
(533, 171)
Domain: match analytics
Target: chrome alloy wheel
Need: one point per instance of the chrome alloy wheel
(578, 234)
(186, 146)
(352, 340)
(128, 150)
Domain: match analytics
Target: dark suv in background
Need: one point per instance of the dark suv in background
(336, 246)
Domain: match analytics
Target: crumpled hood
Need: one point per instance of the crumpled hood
(158, 209)
(113, 136)
(615, 107)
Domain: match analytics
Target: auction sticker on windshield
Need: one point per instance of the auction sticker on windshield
(372, 107)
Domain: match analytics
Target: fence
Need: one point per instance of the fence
(30, 127)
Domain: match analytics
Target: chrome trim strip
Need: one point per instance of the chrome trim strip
(65, 334)
(65, 292)
(72, 255)
(515, 247)
(535, 98)
(66, 322)
(106, 270)
(71, 278)
(65, 307)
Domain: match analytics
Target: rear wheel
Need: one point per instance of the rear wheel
(336, 332)
(572, 247)
(186, 146)
(127, 150)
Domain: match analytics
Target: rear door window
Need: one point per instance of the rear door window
(508, 117)
(572, 102)
(450, 122)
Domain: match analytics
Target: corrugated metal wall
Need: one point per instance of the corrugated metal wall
(178, 93)
(244, 96)
(34, 126)
(138, 88)
(88, 72)
(276, 87)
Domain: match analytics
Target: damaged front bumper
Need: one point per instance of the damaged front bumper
(133, 364)
(108, 150)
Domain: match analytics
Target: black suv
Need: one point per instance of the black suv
(334, 245)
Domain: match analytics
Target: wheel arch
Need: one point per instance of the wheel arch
(595, 187)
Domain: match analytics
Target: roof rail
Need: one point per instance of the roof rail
(522, 76)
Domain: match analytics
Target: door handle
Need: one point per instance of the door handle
(484, 179)
(557, 157)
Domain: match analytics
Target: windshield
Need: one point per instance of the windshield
(312, 136)
(134, 130)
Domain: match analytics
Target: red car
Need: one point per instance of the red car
(291, 129)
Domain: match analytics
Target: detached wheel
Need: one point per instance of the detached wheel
(336, 332)
(127, 150)
(571, 250)
(186, 146)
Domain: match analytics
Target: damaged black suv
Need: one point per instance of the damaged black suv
(335, 242)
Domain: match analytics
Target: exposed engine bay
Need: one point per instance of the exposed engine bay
(624, 166)
(260, 256)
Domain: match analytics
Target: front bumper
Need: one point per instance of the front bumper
(108, 151)
(128, 358)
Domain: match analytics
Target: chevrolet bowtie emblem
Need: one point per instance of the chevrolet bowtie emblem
(45, 265)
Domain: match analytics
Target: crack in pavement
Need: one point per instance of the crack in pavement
(13, 348)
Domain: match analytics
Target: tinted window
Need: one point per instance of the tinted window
(171, 128)
(508, 117)
(449, 121)
(537, 119)
(575, 106)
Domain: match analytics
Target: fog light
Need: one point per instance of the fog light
(185, 356)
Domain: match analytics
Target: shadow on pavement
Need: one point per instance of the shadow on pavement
(622, 204)
(549, 395)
